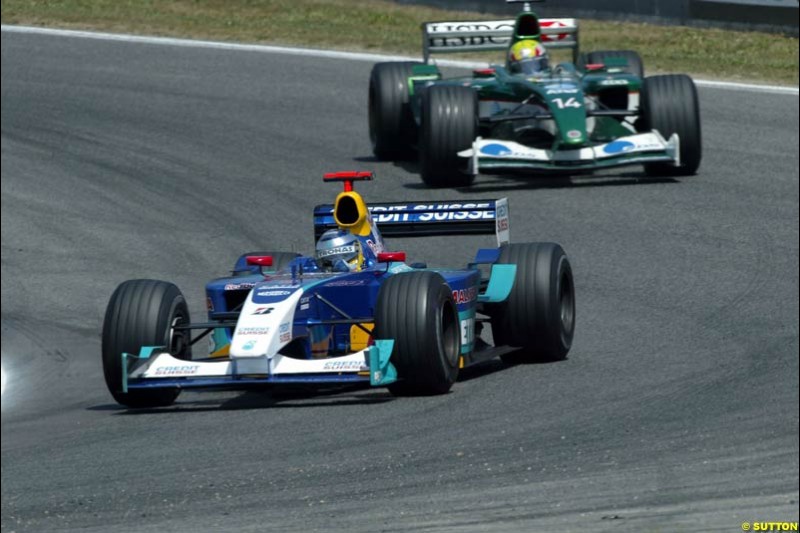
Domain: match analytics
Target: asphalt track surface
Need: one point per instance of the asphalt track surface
(677, 409)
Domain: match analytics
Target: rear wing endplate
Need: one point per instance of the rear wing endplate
(422, 219)
(468, 36)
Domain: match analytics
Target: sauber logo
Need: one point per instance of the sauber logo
(263, 310)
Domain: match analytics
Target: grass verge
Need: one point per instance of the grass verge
(388, 27)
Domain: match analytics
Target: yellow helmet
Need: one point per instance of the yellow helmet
(527, 57)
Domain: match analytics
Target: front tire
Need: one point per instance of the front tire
(417, 310)
(670, 105)
(539, 315)
(449, 125)
(140, 313)
(391, 125)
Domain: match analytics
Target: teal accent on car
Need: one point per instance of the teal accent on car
(501, 281)
(144, 353)
(381, 371)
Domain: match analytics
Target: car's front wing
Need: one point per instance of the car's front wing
(498, 155)
(153, 369)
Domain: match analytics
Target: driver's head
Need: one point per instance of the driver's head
(339, 251)
(527, 57)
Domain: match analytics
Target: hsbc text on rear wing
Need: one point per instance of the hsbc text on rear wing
(481, 36)
(422, 219)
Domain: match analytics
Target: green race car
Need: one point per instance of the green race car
(529, 115)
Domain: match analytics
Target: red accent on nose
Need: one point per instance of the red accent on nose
(259, 260)
(484, 71)
(388, 257)
(594, 66)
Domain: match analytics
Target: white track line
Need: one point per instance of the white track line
(352, 56)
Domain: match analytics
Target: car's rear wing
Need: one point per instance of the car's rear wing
(421, 219)
(486, 35)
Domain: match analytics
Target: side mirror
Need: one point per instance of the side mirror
(260, 261)
(389, 257)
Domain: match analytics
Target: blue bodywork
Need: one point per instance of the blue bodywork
(329, 315)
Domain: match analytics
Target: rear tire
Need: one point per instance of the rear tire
(280, 260)
(391, 124)
(539, 314)
(140, 313)
(416, 309)
(449, 125)
(670, 105)
(635, 64)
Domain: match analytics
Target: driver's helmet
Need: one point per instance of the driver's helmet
(339, 251)
(528, 57)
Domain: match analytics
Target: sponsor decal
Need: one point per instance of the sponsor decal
(249, 345)
(252, 331)
(447, 212)
(348, 249)
(285, 337)
(502, 217)
(648, 146)
(488, 25)
(471, 40)
(435, 212)
(392, 213)
(345, 366)
(283, 328)
(177, 370)
(496, 150)
(614, 82)
(273, 293)
(553, 24)
(574, 134)
(263, 310)
(618, 147)
(563, 90)
(239, 286)
(463, 296)
(347, 283)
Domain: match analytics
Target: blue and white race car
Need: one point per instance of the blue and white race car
(354, 312)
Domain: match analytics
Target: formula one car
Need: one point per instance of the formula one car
(528, 115)
(284, 318)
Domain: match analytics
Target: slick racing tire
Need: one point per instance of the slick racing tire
(635, 65)
(449, 125)
(280, 260)
(391, 125)
(539, 315)
(417, 310)
(140, 313)
(670, 105)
